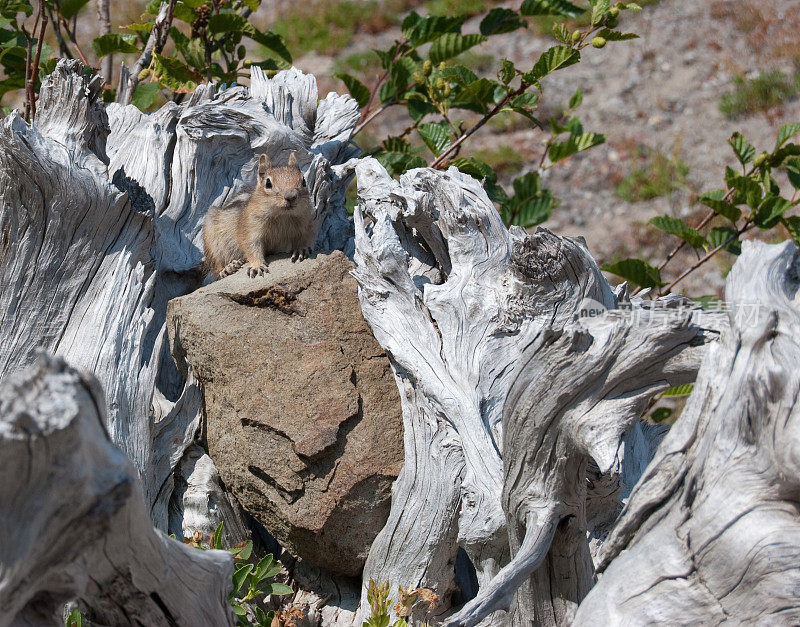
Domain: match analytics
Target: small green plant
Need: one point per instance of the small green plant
(74, 618)
(407, 598)
(501, 159)
(761, 93)
(654, 174)
(752, 199)
(447, 102)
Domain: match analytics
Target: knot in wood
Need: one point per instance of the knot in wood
(538, 258)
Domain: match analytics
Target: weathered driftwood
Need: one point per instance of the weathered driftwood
(507, 392)
(100, 219)
(711, 534)
(75, 524)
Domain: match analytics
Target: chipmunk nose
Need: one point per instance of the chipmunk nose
(291, 195)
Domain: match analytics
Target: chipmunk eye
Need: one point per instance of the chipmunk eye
(268, 184)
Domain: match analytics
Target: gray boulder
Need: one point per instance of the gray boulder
(302, 412)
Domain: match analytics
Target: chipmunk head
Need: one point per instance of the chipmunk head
(283, 186)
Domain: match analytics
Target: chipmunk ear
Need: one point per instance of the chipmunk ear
(293, 159)
(264, 164)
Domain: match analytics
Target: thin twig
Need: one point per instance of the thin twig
(71, 34)
(155, 44)
(28, 85)
(104, 18)
(372, 116)
(62, 43)
(37, 58)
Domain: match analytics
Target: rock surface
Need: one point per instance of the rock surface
(302, 411)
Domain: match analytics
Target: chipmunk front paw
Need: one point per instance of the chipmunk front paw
(253, 271)
(299, 255)
(231, 268)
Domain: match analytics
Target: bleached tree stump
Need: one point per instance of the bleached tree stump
(507, 392)
(75, 524)
(711, 534)
(101, 213)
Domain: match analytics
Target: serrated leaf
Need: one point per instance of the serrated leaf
(615, 35)
(112, 43)
(550, 7)
(678, 228)
(240, 576)
(784, 153)
(576, 100)
(397, 163)
(507, 72)
(793, 172)
(428, 28)
(278, 589)
(719, 235)
(636, 271)
(477, 96)
(561, 32)
(743, 149)
(450, 45)
(575, 143)
(599, 10)
(418, 106)
(555, 58)
(632, 6)
(396, 144)
(436, 136)
(271, 41)
(713, 200)
(500, 20)
(475, 168)
(70, 8)
(770, 212)
(748, 191)
(174, 75)
(792, 224)
(357, 89)
(678, 391)
(531, 204)
(458, 74)
(786, 132)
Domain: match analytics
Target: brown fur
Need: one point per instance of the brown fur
(274, 218)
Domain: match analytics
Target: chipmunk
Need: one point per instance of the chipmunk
(275, 217)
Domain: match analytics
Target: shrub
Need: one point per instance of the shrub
(761, 93)
(654, 174)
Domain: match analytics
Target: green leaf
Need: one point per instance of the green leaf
(615, 35)
(636, 271)
(575, 143)
(793, 172)
(555, 58)
(429, 28)
(173, 74)
(10, 8)
(786, 132)
(228, 23)
(576, 100)
(475, 168)
(770, 212)
(450, 45)
(477, 96)
(398, 162)
(271, 41)
(530, 205)
(709, 302)
(677, 227)
(790, 150)
(436, 136)
(216, 541)
(507, 72)
(550, 7)
(792, 224)
(142, 27)
(678, 391)
(239, 610)
(561, 33)
(713, 200)
(278, 589)
(748, 191)
(743, 149)
(720, 234)
(240, 576)
(660, 414)
(500, 20)
(69, 8)
(459, 74)
(632, 6)
(357, 89)
(599, 10)
(111, 43)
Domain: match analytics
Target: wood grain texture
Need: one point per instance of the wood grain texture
(507, 392)
(101, 212)
(711, 533)
(77, 520)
